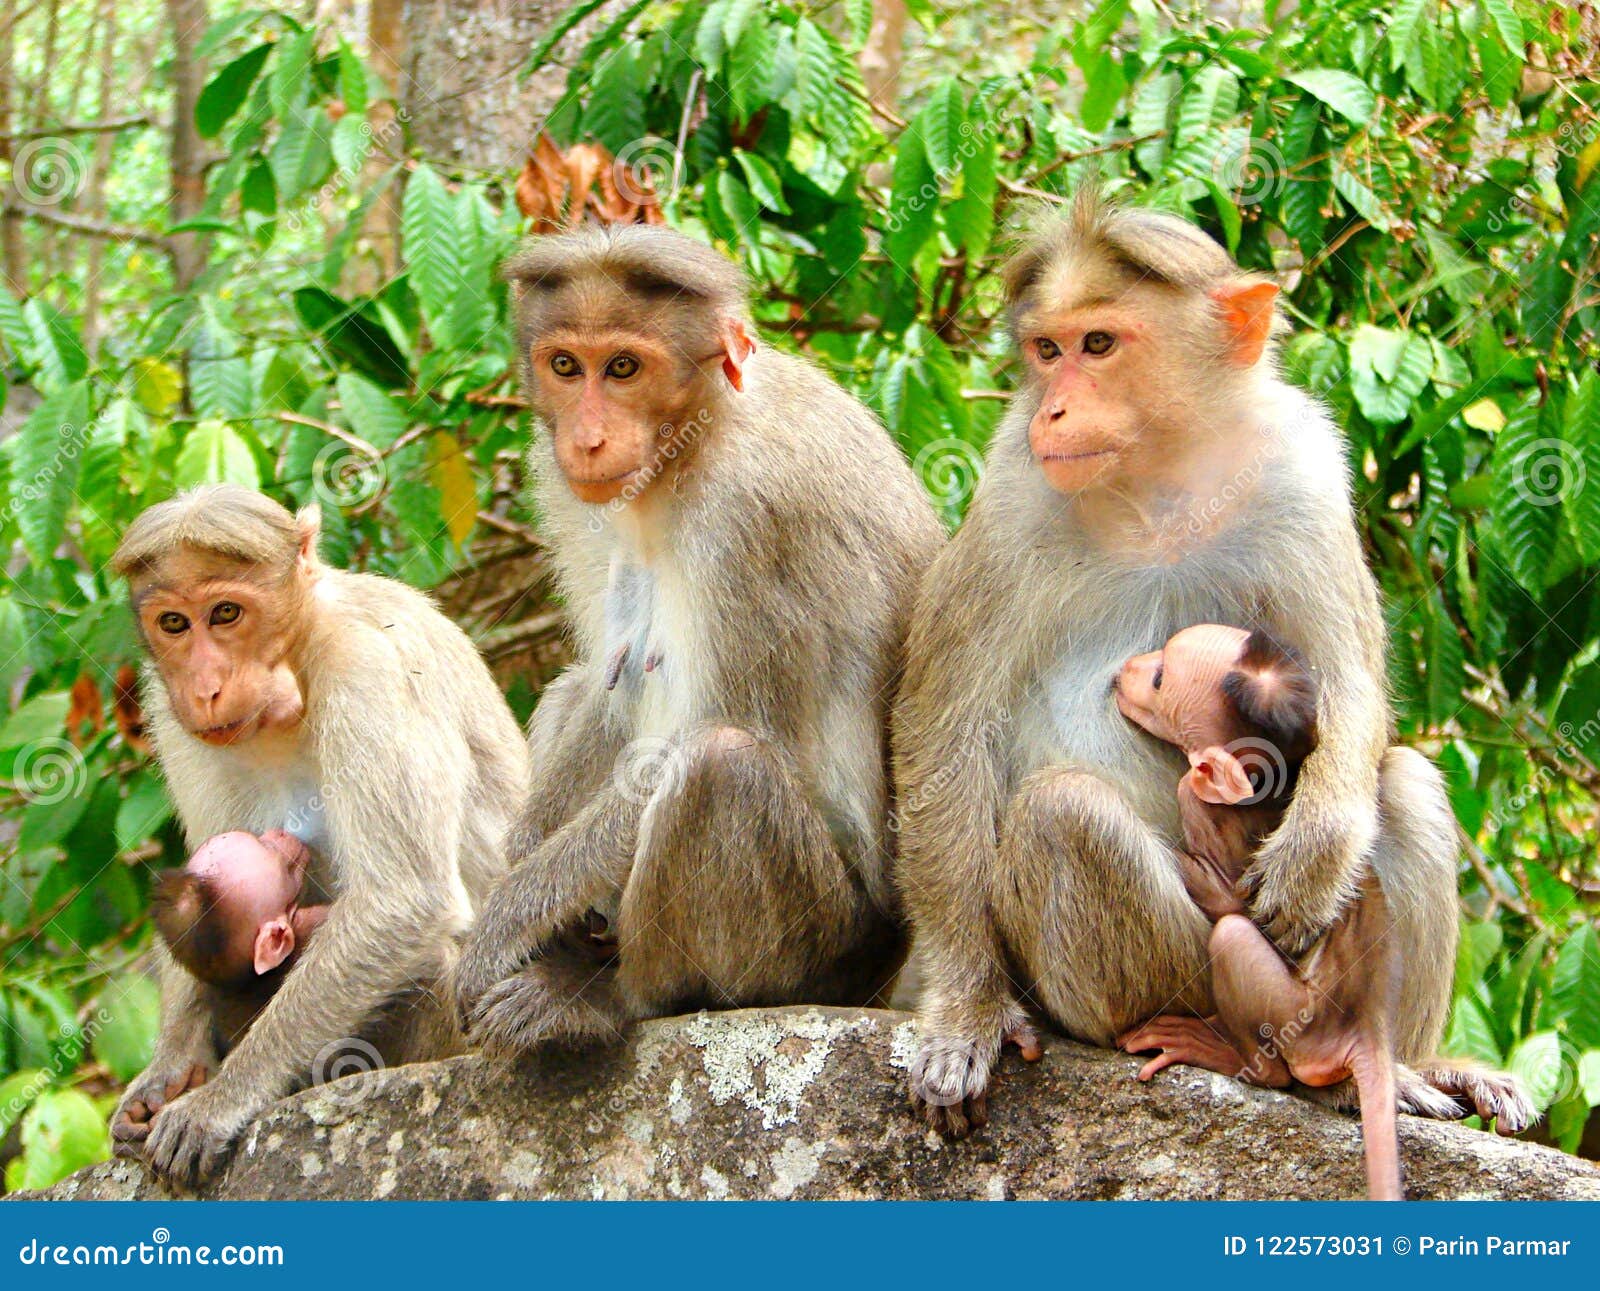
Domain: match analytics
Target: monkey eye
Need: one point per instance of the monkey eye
(172, 623)
(622, 367)
(1047, 349)
(1155, 682)
(1098, 342)
(564, 365)
(225, 612)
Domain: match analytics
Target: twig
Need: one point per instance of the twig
(87, 226)
(107, 126)
(328, 428)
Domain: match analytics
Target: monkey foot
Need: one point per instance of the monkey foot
(1190, 1041)
(1493, 1095)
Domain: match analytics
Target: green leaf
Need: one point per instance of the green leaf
(61, 1133)
(227, 91)
(913, 202)
(1209, 100)
(1475, 951)
(1531, 470)
(353, 333)
(45, 466)
(1589, 1076)
(1388, 370)
(142, 812)
(762, 180)
(1151, 114)
(290, 83)
(124, 1024)
(571, 16)
(371, 413)
(1349, 96)
(1575, 986)
(737, 18)
(213, 452)
(352, 81)
(19, 1089)
(1581, 431)
(970, 219)
(1105, 85)
(40, 718)
(431, 240)
(1402, 27)
(1537, 1061)
(1506, 23)
(939, 124)
(1469, 1034)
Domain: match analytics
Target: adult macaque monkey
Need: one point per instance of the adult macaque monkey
(283, 694)
(1152, 472)
(738, 542)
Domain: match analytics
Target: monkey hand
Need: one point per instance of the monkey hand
(1308, 871)
(562, 1000)
(191, 1139)
(145, 1096)
(950, 1082)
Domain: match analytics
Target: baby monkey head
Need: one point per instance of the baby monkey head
(233, 912)
(1240, 705)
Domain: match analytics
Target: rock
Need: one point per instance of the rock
(810, 1103)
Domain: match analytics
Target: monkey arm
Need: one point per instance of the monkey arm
(575, 867)
(185, 1043)
(1310, 867)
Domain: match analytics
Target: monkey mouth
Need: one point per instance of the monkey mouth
(228, 732)
(596, 481)
(1077, 457)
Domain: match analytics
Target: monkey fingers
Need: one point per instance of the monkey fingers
(561, 999)
(1210, 886)
(1194, 1042)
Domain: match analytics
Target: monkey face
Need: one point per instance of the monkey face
(255, 885)
(219, 636)
(615, 402)
(1176, 692)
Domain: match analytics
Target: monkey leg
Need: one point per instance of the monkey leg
(1091, 906)
(739, 895)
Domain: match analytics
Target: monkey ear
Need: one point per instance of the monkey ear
(737, 346)
(1247, 313)
(1219, 778)
(308, 520)
(274, 944)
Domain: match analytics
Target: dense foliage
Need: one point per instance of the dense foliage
(1421, 178)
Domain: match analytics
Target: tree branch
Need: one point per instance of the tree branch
(86, 225)
(79, 127)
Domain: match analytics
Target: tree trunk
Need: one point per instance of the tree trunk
(189, 20)
(10, 222)
(104, 145)
(883, 55)
(386, 49)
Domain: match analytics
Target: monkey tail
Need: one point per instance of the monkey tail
(1374, 1073)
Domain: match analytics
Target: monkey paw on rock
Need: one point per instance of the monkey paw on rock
(553, 1001)
(950, 1083)
(148, 1093)
(192, 1138)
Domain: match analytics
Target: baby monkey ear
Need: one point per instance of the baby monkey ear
(737, 346)
(308, 523)
(1219, 778)
(274, 944)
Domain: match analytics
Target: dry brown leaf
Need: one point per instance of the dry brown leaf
(86, 709)
(128, 712)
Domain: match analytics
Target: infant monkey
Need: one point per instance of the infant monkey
(1243, 708)
(232, 918)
